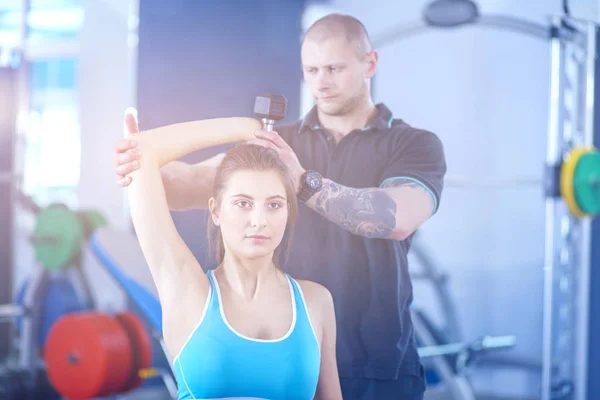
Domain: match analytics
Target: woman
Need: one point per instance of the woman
(245, 329)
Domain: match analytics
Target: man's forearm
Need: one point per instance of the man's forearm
(369, 212)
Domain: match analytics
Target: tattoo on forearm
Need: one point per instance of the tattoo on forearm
(366, 212)
(402, 182)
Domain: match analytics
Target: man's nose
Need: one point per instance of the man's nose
(323, 81)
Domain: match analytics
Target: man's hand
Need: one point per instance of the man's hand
(126, 155)
(272, 140)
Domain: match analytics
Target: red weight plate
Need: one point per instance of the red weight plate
(87, 355)
(115, 339)
(141, 346)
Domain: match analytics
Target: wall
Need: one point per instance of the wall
(106, 82)
(486, 94)
(194, 61)
(106, 88)
(199, 60)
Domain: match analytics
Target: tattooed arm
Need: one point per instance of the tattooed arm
(393, 211)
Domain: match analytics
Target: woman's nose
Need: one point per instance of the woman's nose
(258, 218)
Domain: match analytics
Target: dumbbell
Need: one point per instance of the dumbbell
(270, 108)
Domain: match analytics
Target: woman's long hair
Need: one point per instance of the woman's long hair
(250, 157)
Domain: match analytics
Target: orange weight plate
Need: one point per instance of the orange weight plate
(141, 346)
(116, 340)
(87, 355)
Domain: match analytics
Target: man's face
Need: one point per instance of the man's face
(337, 78)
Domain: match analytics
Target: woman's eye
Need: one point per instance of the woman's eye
(243, 204)
(275, 205)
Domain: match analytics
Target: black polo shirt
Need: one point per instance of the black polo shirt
(368, 278)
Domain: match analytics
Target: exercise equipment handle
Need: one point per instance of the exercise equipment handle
(483, 344)
(9, 312)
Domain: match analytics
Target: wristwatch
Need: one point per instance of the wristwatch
(310, 183)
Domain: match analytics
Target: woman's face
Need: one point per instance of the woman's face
(253, 213)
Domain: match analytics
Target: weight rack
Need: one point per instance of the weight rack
(567, 238)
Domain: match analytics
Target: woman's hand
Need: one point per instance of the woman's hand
(127, 152)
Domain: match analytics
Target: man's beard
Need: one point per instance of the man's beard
(347, 107)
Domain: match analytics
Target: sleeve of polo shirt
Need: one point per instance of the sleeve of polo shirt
(419, 157)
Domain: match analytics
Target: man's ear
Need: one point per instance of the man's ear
(371, 58)
(212, 206)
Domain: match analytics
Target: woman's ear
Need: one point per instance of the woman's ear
(213, 211)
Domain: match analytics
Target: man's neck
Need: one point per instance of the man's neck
(344, 124)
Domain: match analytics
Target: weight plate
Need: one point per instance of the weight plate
(567, 180)
(58, 237)
(88, 355)
(141, 345)
(587, 183)
(91, 220)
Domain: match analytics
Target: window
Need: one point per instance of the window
(52, 148)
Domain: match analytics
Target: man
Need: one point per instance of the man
(366, 182)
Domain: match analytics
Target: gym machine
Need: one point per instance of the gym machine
(446, 355)
(56, 287)
(571, 185)
(55, 309)
(23, 377)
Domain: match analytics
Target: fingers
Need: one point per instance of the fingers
(264, 143)
(124, 145)
(124, 181)
(126, 157)
(127, 168)
(273, 137)
(131, 122)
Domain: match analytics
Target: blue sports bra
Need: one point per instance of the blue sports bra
(218, 362)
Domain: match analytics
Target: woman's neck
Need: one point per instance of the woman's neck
(246, 277)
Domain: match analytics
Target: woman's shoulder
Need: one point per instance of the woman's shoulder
(316, 295)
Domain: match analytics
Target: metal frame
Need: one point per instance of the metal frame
(457, 385)
(593, 350)
(453, 370)
(567, 238)
(428, 271)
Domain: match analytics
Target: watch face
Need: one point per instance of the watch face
(313, 180)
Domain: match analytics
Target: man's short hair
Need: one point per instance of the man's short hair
(340, 24)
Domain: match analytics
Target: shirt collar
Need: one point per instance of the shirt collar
(381, 120)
